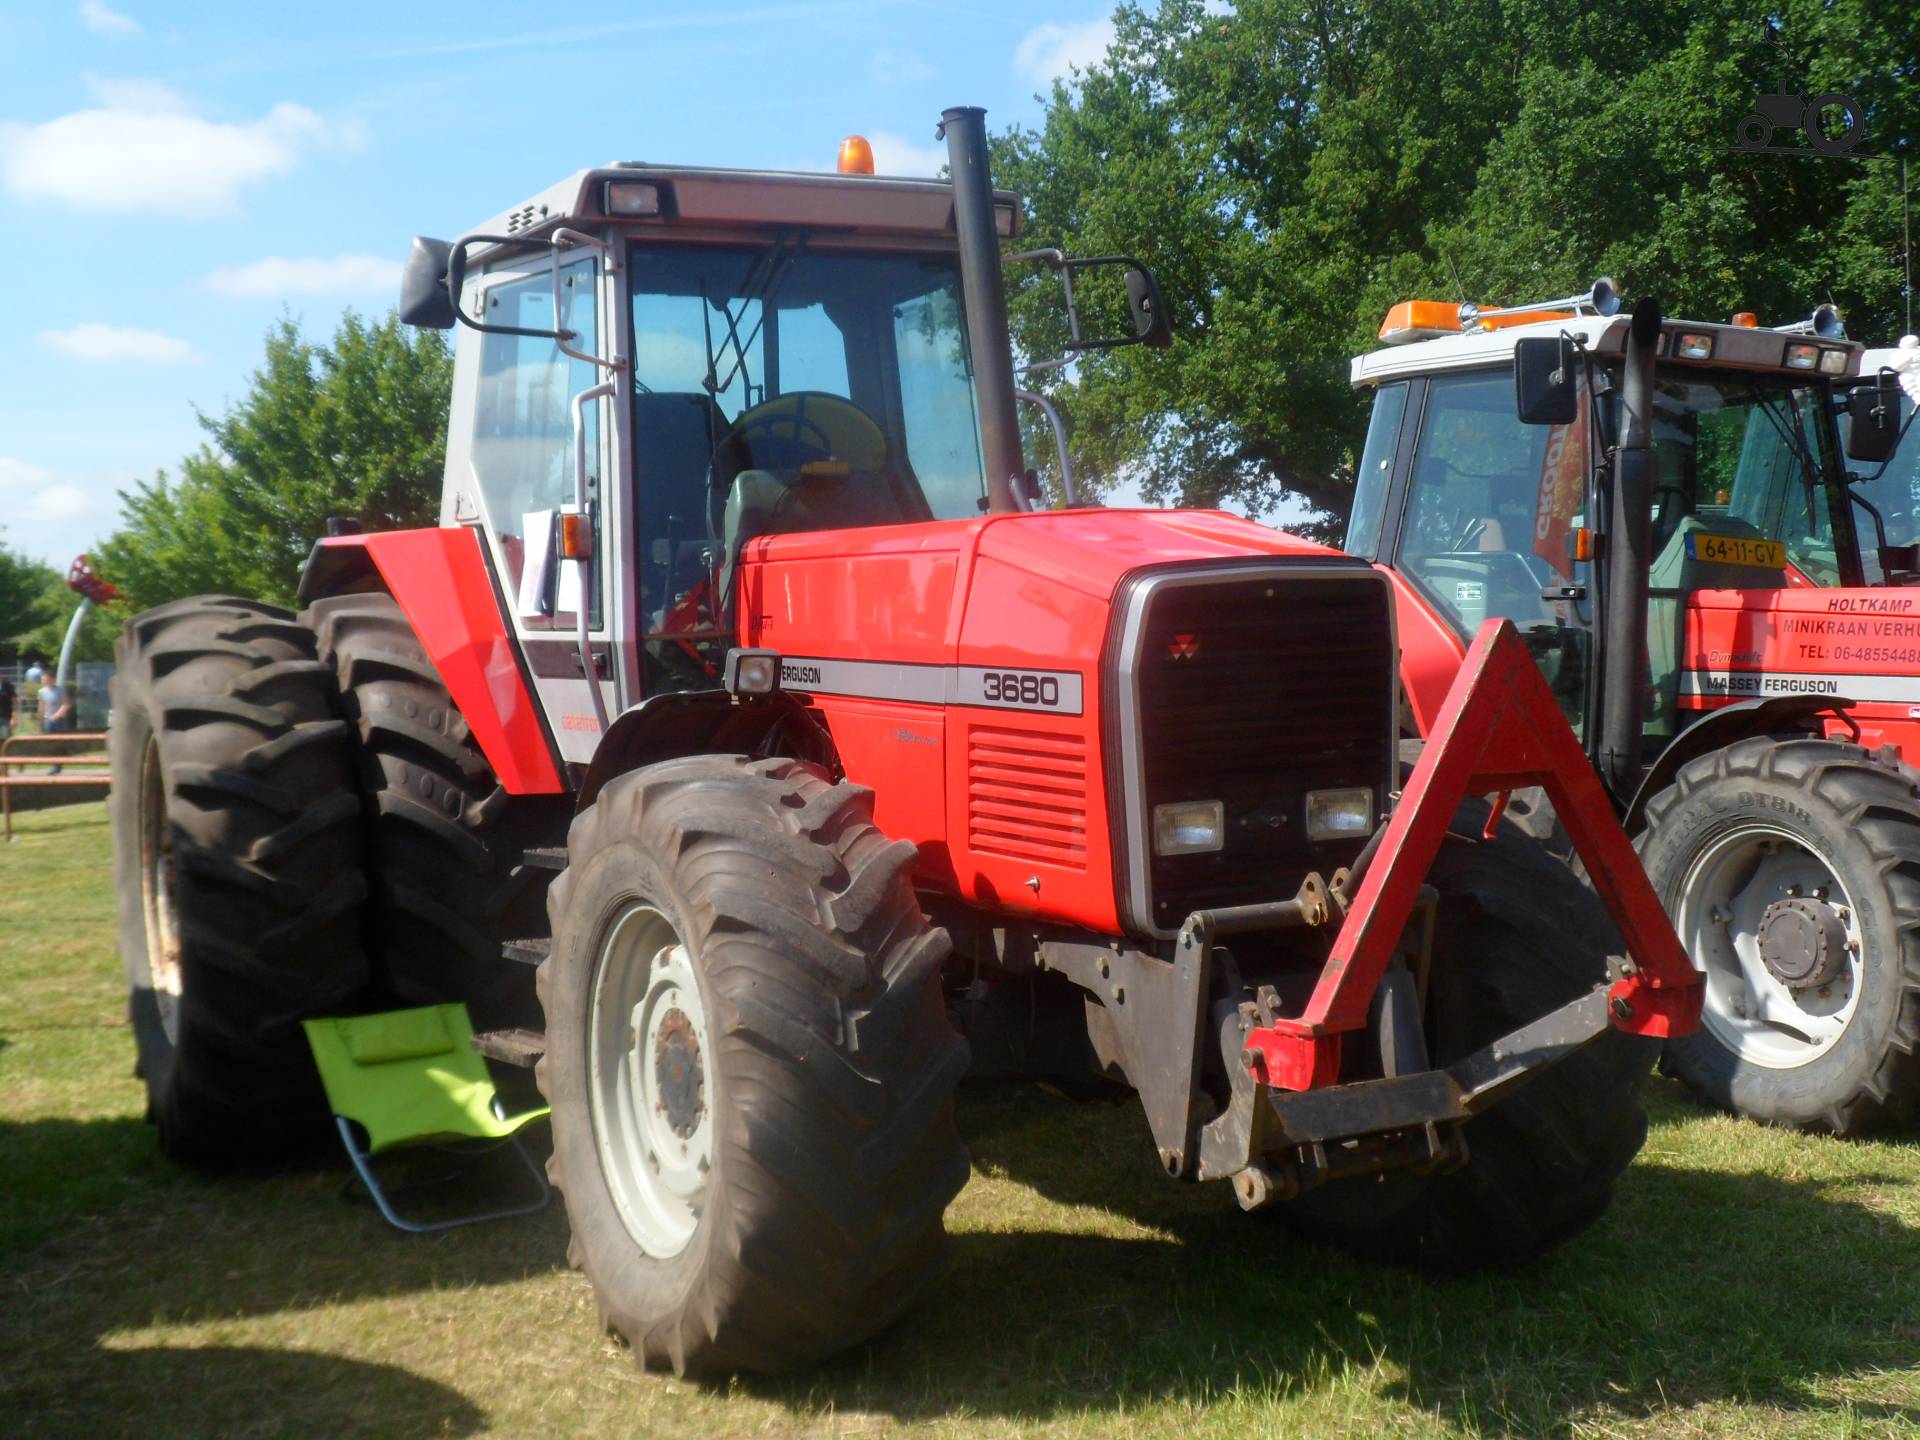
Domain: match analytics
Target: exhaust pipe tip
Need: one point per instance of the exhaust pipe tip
(1647, 318)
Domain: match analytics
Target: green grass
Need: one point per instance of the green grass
(1746, 1282)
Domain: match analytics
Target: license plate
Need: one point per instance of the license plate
(1736, 550)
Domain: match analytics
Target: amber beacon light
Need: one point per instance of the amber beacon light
(856, 156)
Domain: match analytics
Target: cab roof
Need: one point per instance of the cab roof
(1737, 346)
(709, 196)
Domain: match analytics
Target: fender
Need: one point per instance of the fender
(441, 581)
(1720, 728)
(704, 722)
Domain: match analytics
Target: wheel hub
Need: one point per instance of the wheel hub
(679, 1080)
(1803, 942)
(648, 1087)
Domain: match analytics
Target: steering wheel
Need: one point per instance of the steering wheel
(793, 430)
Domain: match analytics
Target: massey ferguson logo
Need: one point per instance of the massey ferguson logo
(1183, 647)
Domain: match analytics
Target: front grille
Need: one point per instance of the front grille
(1027, 795)
(1253, 691)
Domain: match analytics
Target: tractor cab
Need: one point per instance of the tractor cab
(1485, 479)
(665, 364)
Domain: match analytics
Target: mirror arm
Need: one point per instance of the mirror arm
(1059, 437)
(566, 239)
(1879, 522)
(562, 238)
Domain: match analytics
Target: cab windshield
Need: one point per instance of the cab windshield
(779, 390)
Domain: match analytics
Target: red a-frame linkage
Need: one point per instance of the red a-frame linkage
(1500, 730)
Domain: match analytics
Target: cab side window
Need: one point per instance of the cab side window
(1492, 505)
(1375, 470)
(1474, 499)
(523, 424)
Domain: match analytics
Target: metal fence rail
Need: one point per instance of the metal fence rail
(95, 764)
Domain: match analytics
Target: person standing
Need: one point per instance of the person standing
(56, 711)
(8, 699)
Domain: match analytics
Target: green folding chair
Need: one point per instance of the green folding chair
(408, 1078)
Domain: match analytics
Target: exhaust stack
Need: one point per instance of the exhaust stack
(1629, 552)
(965, 127)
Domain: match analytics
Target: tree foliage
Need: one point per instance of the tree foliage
(1294, 167)
(22, 593)
(355, 427)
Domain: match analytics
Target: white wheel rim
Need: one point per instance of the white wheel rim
(649, 1080)
(158, 880)
(1748, 1009)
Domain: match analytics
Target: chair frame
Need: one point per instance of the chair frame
(363, 1169)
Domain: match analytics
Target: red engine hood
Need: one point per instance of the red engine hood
(1089, 550)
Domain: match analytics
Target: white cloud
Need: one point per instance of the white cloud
(61, 502)
(892, 67)
(32, 493)
(1052, 51)
(143, 148)
(896, 155)
(93, 341)
(102, 21)
(276, 276)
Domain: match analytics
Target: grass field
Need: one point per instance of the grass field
(1746, 1282)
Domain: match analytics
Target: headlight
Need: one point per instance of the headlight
(1802, 357)
(1189, 827)
(1693, 347)
(1340, 814)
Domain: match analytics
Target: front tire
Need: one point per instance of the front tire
(750, 1066)
(1792, 870)
(1517, 934)
(236, 829)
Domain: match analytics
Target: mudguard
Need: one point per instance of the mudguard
(441, 582)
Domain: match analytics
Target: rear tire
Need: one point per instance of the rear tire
(444, 839)
(1517, 934)
(237, 861)
(806, 1059)
(1849, 818)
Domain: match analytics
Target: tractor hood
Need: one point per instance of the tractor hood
(1090, 550)
(977, 674)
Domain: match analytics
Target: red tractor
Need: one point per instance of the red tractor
(744, 735)
(1664, 509)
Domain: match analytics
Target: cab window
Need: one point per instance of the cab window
(780, 390)
(1375, 470)
(523, 433)
(1490, 507)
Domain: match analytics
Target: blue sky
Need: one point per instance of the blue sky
(173, 176)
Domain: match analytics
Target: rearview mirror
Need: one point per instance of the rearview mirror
(1544, 386)
(425, 298)
(1148, 313)
(1873, 423)
(1150, 324)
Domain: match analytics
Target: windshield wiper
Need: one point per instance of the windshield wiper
(778, 267)
(1793, 432)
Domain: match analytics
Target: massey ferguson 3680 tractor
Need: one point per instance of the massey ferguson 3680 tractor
(1665, 511)
(741, 731)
